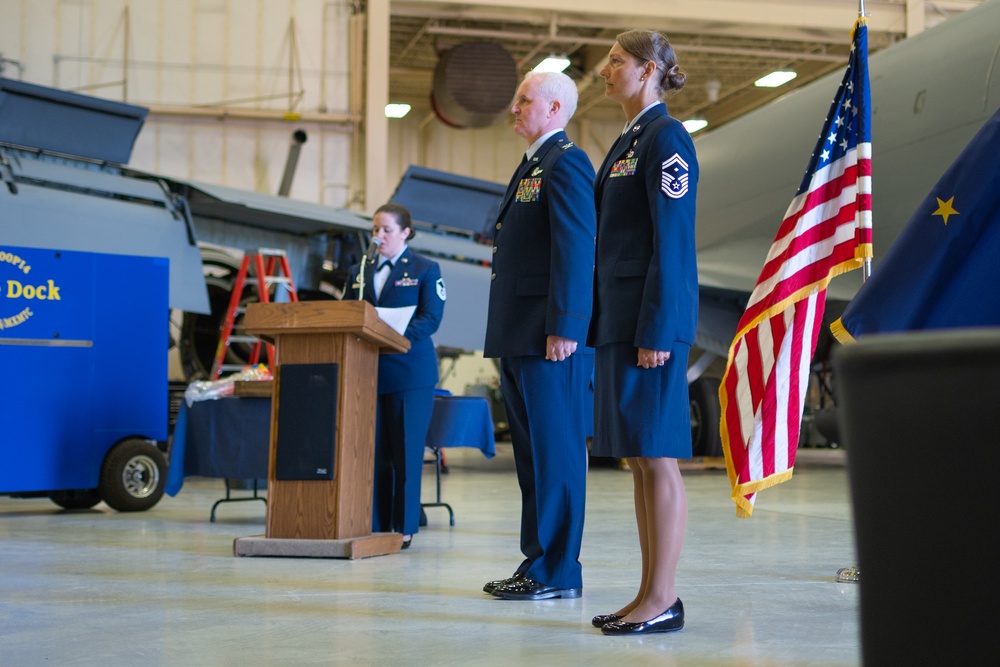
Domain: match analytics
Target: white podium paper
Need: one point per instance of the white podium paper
(397, 318)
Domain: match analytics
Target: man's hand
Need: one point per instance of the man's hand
(558, 348)
(652, 358)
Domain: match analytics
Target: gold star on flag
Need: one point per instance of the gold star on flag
(945, 209)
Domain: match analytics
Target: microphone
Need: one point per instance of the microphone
(368, 256)
(372, 247)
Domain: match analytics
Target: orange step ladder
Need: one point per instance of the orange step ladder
(269, 269)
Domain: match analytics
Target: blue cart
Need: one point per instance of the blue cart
(83, 352)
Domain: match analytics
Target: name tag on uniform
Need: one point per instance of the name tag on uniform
(528, 190)
(624, 167)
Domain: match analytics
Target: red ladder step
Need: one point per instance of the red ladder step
(269, 269)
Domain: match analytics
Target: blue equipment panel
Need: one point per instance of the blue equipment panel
(450, 200)
(84, 360)
(68, 123)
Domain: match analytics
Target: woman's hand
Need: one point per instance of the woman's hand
(652, 358)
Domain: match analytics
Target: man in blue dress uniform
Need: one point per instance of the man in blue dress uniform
(539, 312)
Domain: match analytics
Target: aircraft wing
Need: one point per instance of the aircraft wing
(930, 94)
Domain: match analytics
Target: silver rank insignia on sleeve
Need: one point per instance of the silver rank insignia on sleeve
(674, 177)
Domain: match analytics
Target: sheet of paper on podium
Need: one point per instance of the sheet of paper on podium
(397, 318)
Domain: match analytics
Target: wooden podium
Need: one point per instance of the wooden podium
(325, 518)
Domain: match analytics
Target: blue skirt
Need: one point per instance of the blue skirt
(641, 411)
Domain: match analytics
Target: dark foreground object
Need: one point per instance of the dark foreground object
(921, 424)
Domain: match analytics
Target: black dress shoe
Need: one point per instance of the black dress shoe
(669, 621)
(529, 589)
(603, 619)
(406, 542)
(493, 585)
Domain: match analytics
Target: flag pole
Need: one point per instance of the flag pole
(866, 266)
(851, 573)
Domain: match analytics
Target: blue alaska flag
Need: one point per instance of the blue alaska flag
(944, 269)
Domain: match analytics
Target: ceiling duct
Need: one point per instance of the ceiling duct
(474, 84)
(291, 162)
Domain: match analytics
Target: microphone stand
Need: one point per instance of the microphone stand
(359, 284)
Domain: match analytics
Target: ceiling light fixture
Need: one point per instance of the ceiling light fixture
(712, 88)
(552, 64)
(775, 79)
(692, 125)
(396, 110)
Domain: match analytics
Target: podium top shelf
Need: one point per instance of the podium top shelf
(268, 320)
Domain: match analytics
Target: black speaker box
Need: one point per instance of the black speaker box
(307, 422)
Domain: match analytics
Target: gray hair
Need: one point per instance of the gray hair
(557, 87)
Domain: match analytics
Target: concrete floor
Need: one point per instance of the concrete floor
(163, 588)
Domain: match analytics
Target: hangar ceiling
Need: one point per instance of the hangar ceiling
(723, 45)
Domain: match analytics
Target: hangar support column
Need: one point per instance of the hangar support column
(376, 97)
(916, 17)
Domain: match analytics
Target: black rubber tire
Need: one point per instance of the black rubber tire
(133, 476)
(200, 332)
(76, 500)
(705, 414)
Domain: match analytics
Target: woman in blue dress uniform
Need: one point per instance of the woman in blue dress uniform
(645, 313)
(405, 381)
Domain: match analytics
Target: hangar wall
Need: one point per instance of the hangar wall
(249, 55)
(258, 59)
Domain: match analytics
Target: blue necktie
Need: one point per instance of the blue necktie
(517, 173)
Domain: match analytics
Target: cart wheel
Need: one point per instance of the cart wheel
(76, 500)
(133, 476)
(705, 413)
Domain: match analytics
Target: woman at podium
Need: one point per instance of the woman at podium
(397, 278)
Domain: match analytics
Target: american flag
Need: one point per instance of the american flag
(826, 232)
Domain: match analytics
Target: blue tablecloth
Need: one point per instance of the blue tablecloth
(462, 421)
(226, 437)
(229, 437)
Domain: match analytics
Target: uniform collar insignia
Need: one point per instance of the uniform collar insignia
(635, 128)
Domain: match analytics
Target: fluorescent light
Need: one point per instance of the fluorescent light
(552, 64)
(396, 110)
(692, 125)
(774, 79)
